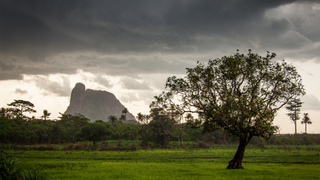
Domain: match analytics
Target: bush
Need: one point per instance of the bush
(11, 169)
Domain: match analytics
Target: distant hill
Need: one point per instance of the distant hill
(95, 104)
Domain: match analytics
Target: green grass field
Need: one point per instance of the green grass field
(274, 162)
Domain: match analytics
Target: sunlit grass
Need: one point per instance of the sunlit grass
(269, 163)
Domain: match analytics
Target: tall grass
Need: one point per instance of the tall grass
(271, 162)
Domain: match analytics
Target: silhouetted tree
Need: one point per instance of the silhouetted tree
(293, 107)
(124, 112)
(240, 94)
(143, 118)
(23, 106)
(46, 114)
(306, 120)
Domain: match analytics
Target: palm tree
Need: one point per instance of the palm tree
(306, 120)
(125, 111)
(46, 114)
(112, 119)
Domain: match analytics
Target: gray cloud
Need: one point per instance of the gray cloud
(20, 91)
(54, 87)
(131, 83)
(127, 38)
(310, 102)
(103, 81)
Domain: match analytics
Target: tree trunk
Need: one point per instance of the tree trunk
(236, 162)
(295, 127)
(306, 127)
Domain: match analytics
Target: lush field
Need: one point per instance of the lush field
(272, 162)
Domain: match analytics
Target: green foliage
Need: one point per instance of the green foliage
(36, 174)
(161, 126)
(94, 132)
(73, 123)
(14, 131)
(11, 169)
(112, 119)
(240, 94)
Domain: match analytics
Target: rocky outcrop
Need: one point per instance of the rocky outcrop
(95, 104)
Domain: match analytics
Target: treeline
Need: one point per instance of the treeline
(154, 129)
(75, 128)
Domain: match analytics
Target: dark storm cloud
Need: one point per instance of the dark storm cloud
(41, 35)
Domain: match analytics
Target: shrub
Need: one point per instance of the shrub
(11, 169)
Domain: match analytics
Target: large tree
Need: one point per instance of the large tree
(293, 107)
(161, 126)
(73, 123)
(23, 106)
(240, 94)
(94, 132)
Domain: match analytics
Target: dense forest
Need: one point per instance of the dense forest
(156, 129)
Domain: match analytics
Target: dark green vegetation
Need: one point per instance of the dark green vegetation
(240, 94)
(11, 168)
(269, 162)
(131, 151)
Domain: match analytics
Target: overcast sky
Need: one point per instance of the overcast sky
(130, 47)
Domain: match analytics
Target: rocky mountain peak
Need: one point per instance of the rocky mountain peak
(95, 104)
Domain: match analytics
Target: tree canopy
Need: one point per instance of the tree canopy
(74, 123)
(22, 106)
(240, 94)
(94, 131)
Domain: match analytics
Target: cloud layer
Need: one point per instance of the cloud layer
(130, 38)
